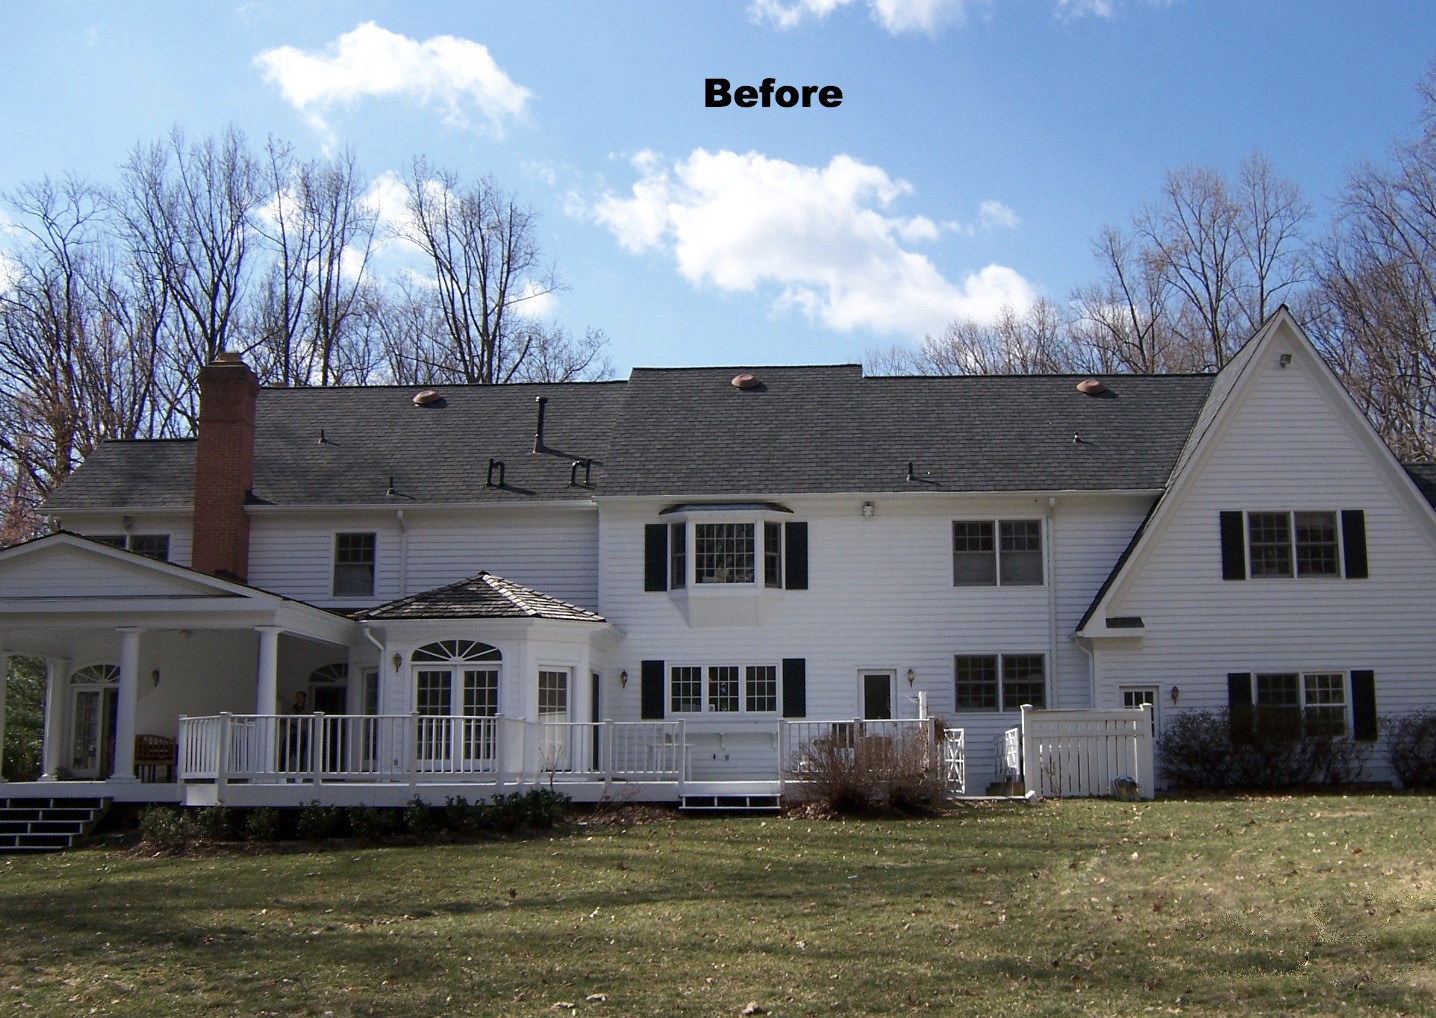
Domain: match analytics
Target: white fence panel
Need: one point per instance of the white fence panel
(1082, 752)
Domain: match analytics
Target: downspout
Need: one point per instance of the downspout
(1089, 649)
(1051, 545)
(403, 553)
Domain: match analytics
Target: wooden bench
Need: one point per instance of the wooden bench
(153, 752)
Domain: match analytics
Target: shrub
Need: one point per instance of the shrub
(418, 817)
(1196, 750)
(368, 822)
(317, 822)
(850, 772)
(460, 816)
(167, 829)
(543, 807)
(215, 823)
(1411, 747)
(262, 824)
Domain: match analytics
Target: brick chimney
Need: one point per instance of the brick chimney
(224, 466)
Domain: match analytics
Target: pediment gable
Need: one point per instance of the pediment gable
(71, 567)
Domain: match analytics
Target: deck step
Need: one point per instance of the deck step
(730, 803)
(47, 824)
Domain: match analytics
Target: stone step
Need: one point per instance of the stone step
(47, 824)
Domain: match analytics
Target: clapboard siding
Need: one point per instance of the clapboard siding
(880, 598)
(177, 525)
(554, 551)
(1288, 446)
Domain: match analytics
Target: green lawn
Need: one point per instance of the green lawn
(1305, 905)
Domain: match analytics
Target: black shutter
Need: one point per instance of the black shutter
(655, 557)
(795, 687)
(1363, 705)
(1353, 543)
(651, 691)
(795, 556)
(1239, 706)
(1234, 547)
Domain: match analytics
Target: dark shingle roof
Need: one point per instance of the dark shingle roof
(1424, 474)
(123, 475)
(690, 432)
(683, 432)
(482, 596)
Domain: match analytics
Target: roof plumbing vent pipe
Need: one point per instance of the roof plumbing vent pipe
(538, 427)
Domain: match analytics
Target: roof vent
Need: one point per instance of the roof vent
(745, 381)
(428, 397)
(1090, 387)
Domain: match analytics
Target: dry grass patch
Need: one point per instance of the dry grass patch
(1283, 905)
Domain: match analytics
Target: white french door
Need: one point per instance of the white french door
(553, 689)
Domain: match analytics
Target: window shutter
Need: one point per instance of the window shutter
(1234, 548)
(651, 691)
(1353, 543)
(655, 557)
(795, 687)
(795, 556)
(1239, 706)
(1363, 705)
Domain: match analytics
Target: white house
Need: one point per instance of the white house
(650, 587)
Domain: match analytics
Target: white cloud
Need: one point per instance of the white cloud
(457, 76)
(896, 16)
(821, 239)
(1081, 8)
(991, 214)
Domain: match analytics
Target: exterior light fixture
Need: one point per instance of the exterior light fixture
(1176, 693)
(398, 661)
(623, 679)
(868, 509)
(911, 677)
(1284, 360)
(155, 676)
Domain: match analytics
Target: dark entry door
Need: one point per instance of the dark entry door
(877, 696)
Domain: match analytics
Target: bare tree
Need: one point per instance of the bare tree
(487, 268)
(1376, 276)
(555, 356)
(1121, 322)
(187, 210)
(71, 373)
(1035, 341)
(322, 236)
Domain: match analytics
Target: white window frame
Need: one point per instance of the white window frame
(1001, 661)
(705, 689)
(335, 564)
(1303, 692)
(126, 542)
(1293, 546)
(996, 524)
(682, 568)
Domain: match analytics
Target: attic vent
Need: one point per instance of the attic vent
(428, 397)
(1090, 387)
(745, 381)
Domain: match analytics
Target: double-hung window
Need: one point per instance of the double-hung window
(723, 552)
(990, 553)
(1293, 544)
(999, 682)
(1289, 705)
(354, 565)
(725, 546)
(723, 689)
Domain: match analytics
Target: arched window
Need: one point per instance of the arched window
(96, 675)
(460, 651)
(326, 675)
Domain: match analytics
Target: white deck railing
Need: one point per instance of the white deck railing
(1007, 767)
(382, 748)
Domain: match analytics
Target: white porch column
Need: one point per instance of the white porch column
(267, 697)
(129, 694)
(55, 669)
(4, 686)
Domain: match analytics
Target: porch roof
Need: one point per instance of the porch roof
(482, 596)
(67, 582)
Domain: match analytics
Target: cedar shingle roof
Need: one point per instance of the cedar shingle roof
(682, 432)
(482, 596)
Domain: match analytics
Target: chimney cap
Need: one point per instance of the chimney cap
(229, 357)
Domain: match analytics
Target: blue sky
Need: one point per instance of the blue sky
(980, 147)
